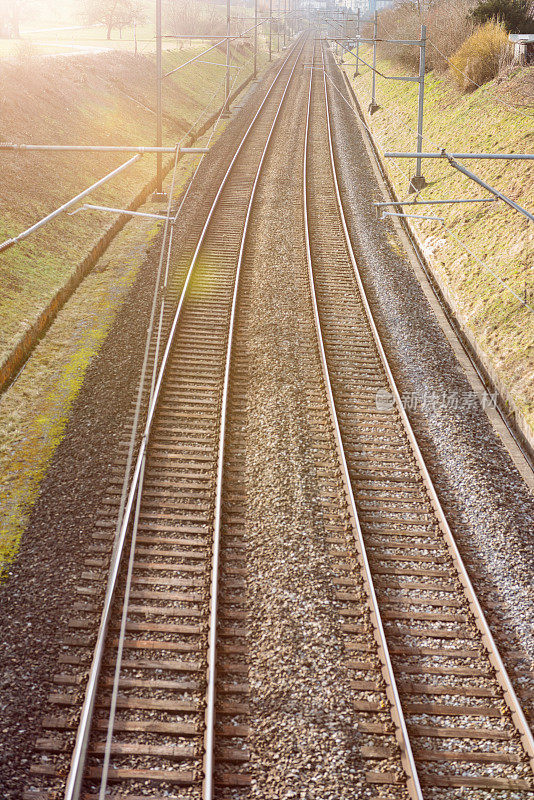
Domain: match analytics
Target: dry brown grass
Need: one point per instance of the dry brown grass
(25, 58)
(447, 27)
(516, 86)
(480, 58)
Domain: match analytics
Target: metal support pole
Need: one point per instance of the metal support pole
(285, 21)
(159, 113)
(228, 33)
(270, 30)
(289, 25)
(418, 182)
(357, 71)
(278, 28)
(345, 31)
(255, 38)
(373, 105)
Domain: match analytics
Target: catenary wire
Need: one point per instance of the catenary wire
(460, 241)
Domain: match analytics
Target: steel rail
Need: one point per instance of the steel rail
(166, 245)
(408, 230)
(133, 434)
(502, 676)
(211, 694)
(168, 224)
(397, 714)
(75, 776)
(24, 235)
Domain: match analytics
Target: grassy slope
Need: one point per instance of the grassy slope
(499, 236)
(85, 100)
(35, 408)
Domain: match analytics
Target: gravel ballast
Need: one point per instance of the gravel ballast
(305, 741)
(303, 727)
(488, 505)
(40, 589)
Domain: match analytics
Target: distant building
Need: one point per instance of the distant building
(523, 47)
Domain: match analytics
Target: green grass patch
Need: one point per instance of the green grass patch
(95, 105)
(36, 408)
(105, 99)
(495, 118)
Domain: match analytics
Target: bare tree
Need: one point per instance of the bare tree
(5, 19)
(112, 13)
(191, 17)
(11, 12)
(447, 24)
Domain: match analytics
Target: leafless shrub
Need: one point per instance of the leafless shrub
(447, 27)
(481, 57)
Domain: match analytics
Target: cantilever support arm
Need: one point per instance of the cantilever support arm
(451, 158)
(387, 77)
(222, 40)
(489, 188)
(124, 211)
(16, 239)
(446, 154)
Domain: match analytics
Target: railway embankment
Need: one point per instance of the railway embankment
(484, 496)
(478, 245)
(91, 259)
(106, 99)
(80, 385)
(264, 492)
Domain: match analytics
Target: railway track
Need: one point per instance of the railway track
(432, 710)
(160, 717)
(458, 722)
